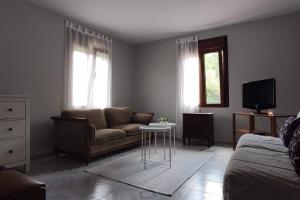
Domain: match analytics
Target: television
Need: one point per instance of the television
(259, 95)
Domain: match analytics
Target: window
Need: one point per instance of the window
(88, 66)
(213, 72)
(90, 79)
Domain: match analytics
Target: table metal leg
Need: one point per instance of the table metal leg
(170, 146)
(145, 150)
(142, 146)
(174, 138)
(164, 145)
(149, 143)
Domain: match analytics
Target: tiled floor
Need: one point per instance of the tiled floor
(65, 179)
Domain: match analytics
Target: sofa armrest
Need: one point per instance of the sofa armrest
(72, 135)
(91, 131)
(142, 117)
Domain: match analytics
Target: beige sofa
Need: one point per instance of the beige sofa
(94, 132)
(260, 169)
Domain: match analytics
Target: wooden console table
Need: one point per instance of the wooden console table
(198, 126)
(251, 128)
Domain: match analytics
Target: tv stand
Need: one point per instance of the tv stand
(259, 112)
(251, 126)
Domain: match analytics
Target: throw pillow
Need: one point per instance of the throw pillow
(287, 130)
(294, 150)
(142, 118)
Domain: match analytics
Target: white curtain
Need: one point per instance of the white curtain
(187, 79)
(87, 68)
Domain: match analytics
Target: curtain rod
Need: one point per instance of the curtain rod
(87, 31)
(187, 39)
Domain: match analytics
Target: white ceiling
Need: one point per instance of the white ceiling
(140, 21)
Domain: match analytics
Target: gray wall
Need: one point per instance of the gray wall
(144, 77)
(32, 60)
(122, 74)
(257, 50)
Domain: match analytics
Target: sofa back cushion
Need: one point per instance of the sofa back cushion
(116, 116)
(287, 130)
(95, 116)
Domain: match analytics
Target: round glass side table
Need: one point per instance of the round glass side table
(155, 130)
(167, 124)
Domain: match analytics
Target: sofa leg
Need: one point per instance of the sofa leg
(87, 161)
(56, 153)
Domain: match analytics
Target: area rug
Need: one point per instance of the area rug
(157, 177)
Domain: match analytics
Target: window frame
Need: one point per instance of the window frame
(218, 44)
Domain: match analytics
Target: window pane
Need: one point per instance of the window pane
(212, 78)
(82, 63)
(190, 82)
(100, 88)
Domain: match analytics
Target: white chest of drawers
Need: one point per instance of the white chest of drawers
(15, 131)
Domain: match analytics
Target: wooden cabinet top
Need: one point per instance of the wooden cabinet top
(197, 113)
(262, 114)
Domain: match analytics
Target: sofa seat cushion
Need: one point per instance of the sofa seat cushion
(131, 129)
(95, 116)
(13, 183)
(117, 116)
(107, 135)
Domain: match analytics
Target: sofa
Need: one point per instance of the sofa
(260, 169)
(93, 132)
(17, 186)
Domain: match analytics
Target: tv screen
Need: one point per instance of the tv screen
(259, 95)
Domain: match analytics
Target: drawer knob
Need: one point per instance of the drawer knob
(10, 129)
(10, 151)
(10, 109)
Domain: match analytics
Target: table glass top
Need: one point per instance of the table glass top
(162, 124)
(155, 128)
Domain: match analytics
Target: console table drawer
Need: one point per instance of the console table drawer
(12, 109)
(12, 151)
(12, 129)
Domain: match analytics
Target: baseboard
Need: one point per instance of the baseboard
(42, 154)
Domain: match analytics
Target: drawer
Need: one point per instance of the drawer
(12, 109)
(12, 151)
(12, 128)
